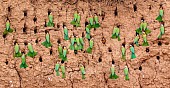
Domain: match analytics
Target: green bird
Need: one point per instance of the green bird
(126, 73)
(97, 25)
(162, 31)
(78, 43)
(17, 52)
(57, 66)
(116, 33)
(23, 62)
(89, 50)
(160, 17)
(78, 21)
(81, 42)
(145, 42)
(60, 50)
(136, 40)
(66, 33)
(82, 69)
(133, 56)
(64, 58)
(47, 42)
(31, 52)
(91, 23)
(72, 41)
(113, 74)
(87, 33)
(8, 29)
(123, 53)
(74, 21)
(143, 28)
(63, 71)
(50, 22)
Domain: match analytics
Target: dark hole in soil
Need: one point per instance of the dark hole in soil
(159, 43)
(103, 17)
(58, 26)
(86, 23)
(15, 42)
(45, 23)
(123, 44)
(147, 49)
(150, 7)
(4, 35)
(6, 62)
(9, 9)
(158, 57)
(83, 34)
(25, 13)
(140, 68)
(115, 12)
(113, 62)
(40, 59)
(46, 31)
(64, 25)
(103, 40)
(134, 7)
(62, 61)
(24, 29)
(94, 29)
(25, 43)
(58, 41)
(35, 19)
(49, 11)
(142, 18)
(137, 33)
(100, 59)
(109, 49)
(35, 30)
(75, 52)
(51, 51)
(36, 41)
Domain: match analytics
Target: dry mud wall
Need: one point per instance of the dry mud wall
(149, 70)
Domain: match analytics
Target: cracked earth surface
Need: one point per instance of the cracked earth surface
(155, 64)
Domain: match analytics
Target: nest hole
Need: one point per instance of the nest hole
(62, 61)
(35, 19)
(159, 43)
(140, 68)
(134, 7)
(116, 12)
(103, 40)
(35, 30)
(83, 35)
(58, 26)
(4, 35)
(51, 51)
(9, 9)
(100, 59)
(109, 49)
(158, 57)
(86, 23)
(49, 11)
(15, 42)
(6, 62)
(25, 43)
(36, 41)
(25, 13)
(45, 23)
(40, 59)
(59, 41)
(113, 62)
(75, 52)
(147, 49)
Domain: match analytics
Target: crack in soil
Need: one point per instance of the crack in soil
(20, 78)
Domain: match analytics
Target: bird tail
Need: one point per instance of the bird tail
(160, 36)
(133, 56)
(89, 50)
(123, 57)
(23, 65)
(66, 37)
(71, 47)
(119, 38)
(114, 36)
(17, 54)
(57, 73)
(145, 44)
(159, 18)
(126, 77)
(83, 76)
(63, 75)
(113, 76)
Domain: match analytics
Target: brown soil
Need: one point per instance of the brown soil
(155, 64)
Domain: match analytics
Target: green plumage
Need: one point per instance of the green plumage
(113, 74)
(47, 42)
(31, 52)
(72, 43)
(89, 50)
(123, 53)
(160, 17)
(76, 20)
(50, 22)
(60, 50)
(162, 31)
(97, 25)
(57, 66)
(63, 71)
(133, 56)
(87, 33)
(136, 40)
(116, 33)
(17, 53)
(8, 29)
(126, 73)
(145, 42)
(23, 62)
(66, 34)
(64, 58)
(82, 69)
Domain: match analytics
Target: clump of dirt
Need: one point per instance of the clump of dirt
(28, 17)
